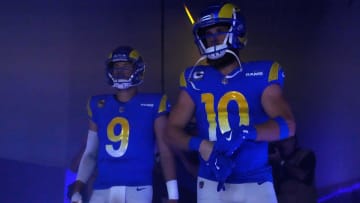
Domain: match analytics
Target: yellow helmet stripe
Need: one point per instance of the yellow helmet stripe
(226, 11)
(134, 54)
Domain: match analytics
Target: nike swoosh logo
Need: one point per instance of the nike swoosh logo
(140, 188)
(216, 166)
(229, 138)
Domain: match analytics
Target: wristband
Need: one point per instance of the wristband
(283, 127)
(172, 189)
(76, 197)
(194, 143)
(248, 132)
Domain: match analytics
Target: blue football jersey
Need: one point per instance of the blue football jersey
(126, 138)
(223, 102)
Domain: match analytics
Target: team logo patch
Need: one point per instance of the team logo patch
(201, 184)
(101, 103)
(121, 109)
(229, 138)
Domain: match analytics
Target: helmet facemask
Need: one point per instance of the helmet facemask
(209, 44)
(123, 75)
(125, 68)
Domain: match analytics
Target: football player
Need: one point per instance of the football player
(123, 128)
(239, 107)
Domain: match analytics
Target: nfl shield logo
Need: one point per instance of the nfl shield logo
(201, 184)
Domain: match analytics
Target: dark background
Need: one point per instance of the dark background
(52, 57)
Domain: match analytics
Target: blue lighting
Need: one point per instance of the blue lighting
(339, 192)
(70, 177)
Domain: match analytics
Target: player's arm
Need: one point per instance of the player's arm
(180, 116)
(166, 159)
(87, 162)
(282, 124)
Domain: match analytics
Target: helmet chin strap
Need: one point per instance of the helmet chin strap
(203, 57)
(214, 53)
(235, 55)
(122, 83)
(121, 86)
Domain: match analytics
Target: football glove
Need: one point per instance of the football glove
(221, 166)
(230, 141)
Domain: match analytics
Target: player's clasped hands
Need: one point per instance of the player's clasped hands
(224, 152)
(230, 141)
(221, 165)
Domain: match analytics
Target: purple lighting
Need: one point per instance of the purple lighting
(339, 192)
(70, 177)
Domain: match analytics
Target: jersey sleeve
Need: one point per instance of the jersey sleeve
(89, 108)
(276, 75)
(164, 106)
(182, 81)
(92, 105)
(187, 81)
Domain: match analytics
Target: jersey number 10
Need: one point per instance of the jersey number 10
(221, 112)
